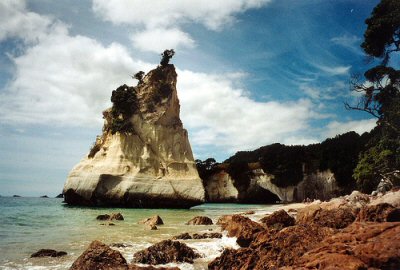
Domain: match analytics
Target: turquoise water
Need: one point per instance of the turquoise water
(29, 224)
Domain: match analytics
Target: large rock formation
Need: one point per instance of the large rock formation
(221, 187)
(144, 160)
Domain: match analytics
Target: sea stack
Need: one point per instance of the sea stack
(143, 157)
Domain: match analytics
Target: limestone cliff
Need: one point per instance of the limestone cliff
(150, 163)
(221, 187)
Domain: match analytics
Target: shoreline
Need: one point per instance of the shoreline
(135, 237)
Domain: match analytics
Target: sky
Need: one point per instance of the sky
(250, 73)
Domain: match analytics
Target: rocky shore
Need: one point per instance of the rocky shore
(357, 231)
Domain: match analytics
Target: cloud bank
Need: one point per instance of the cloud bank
(64, 80)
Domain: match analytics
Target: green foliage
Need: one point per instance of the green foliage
(125, 104)
(382, 35)
(381, 98)
(285, 163)
(166, 56)
(340, 155)
(161, 92)
(372, 163)
(289, 163)
(139, 76)
(206, 168)
(241, 174)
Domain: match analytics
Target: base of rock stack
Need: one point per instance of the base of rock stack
(130, 200)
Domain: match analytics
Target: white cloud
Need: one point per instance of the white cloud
(157, 23)
(17, 22)
(218, 113)
(350, 42)
(158, 39)
(338, 70)
(63, 79)
(360, 126)
(212, 14)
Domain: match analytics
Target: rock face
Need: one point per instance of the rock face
(243, 228)
(164, 252)
(370, 242)
(379, 213)
(270, 251)
(359, 246)
(100, 256)
(278, 220)
(220, 187)
(152, 165)
(337, 218)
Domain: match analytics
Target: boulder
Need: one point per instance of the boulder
(116, 216)
(183, 236)
(243, 228)
(200, 220)
(274, 250)
(337, 218)
(120, 245)
(166, 251)
(224, 220)
(233, 259)
(379, 213)
(100, 256)
(278, 220)
(48, 253)
(141, 159)
(152, 221)
(113, 216)
(151, 227)
(359, 246)
(103, 217)
(207, 235)
(136, 267)
(391, 197)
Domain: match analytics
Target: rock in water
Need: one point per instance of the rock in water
(152, 221)
(140, 160)
(200, 220)
(100, 256)
(48, 253)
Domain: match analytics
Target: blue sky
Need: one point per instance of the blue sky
(250, 73)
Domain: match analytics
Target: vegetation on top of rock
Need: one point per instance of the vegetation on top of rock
(125, 104)
(289, 163)
(139, 76)
(166, 56)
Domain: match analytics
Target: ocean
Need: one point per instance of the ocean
(30, 224)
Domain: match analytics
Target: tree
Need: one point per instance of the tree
(166, 56)
(382, 36)
(125, 104)
(139, 76)
(380, 95)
